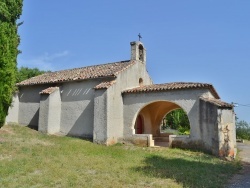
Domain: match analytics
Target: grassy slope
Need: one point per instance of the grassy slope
(31, 159)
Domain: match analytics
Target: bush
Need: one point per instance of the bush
(177, 120)
(9, 40)
(183, 130)
(242, 130)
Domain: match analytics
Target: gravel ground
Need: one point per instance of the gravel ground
(242, 180)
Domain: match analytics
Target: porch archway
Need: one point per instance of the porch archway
(153, 114)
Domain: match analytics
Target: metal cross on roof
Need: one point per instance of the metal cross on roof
(140, 37)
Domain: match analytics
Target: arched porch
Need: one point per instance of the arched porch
(149, 118)
(153, 106)
(209, 117)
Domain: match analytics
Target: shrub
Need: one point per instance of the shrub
(177, 120)
(9, 40)
(242, 130)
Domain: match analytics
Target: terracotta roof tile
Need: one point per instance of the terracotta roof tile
(105, 85)
(49, 90)
(90, 72)
(173, 86)
(217, 102)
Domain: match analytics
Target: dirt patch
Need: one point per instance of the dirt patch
(2, 140)
(5, 157)
(40, 142)
(6, 131)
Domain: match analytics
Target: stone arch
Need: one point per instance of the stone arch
(153, 113)
(188, 100)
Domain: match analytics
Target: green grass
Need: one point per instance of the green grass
(32, 159)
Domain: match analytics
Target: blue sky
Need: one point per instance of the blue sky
(197, 41)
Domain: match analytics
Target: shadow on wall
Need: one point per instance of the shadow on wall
(84, 124)
(188, 173)
(33, 124)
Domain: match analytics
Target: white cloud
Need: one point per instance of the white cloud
(43, 62)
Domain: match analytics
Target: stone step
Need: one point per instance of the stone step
(161, 139)
(165, 134)
(161, 144)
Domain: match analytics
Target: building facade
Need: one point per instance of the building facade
(118, 102)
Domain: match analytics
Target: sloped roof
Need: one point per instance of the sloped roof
(90, 72)
(217, 102)
(173, 86)
(105, 85)
(49, 90)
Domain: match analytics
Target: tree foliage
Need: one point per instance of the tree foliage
(177, 119)
(10, 11)
(26, 73)
(242, 130)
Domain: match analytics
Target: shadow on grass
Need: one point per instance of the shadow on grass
(85, 138)
(34, 127)
(186, 172)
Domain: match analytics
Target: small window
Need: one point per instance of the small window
(141, 53)
(140, 82)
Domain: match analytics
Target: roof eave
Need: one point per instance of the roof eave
(67, 81)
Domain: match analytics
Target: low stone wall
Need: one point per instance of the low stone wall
(185, 142)
(145, 140)
(178, 141)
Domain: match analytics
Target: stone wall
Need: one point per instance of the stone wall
(13, 111)
(188, 100)
(209, 126)
(143, 140)
(50, 112)
(217, 126)
(113, 129)
(77, 108)
(29, 104)
(100, 117)
(226, 132)
(217, 129)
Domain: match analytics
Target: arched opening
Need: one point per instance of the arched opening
(176, 122)
(153, 115)
(139, 125)
(140, 82)
(141, 53)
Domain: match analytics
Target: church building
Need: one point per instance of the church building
(118, 102)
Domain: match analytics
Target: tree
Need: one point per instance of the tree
(25, 73)
(10, 11)
(177, 119)
(242, 130)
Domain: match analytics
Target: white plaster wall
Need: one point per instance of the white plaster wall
(54, 118)
(29, 101)
(209, 126)
(43, 114)
(226, 127)
(100, 117)
(77, 108)
(130, 77)
(13, 110)
(125, 80)
(188, 100)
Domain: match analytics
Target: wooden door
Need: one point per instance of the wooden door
(139, 125)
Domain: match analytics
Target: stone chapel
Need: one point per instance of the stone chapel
(118, 102)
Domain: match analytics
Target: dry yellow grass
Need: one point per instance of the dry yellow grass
(32, 159)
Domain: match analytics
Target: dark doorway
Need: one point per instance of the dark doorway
(139, 125)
